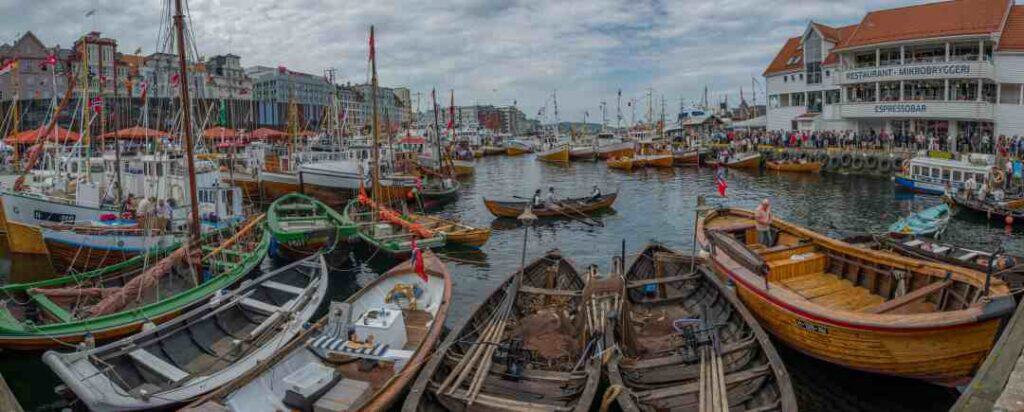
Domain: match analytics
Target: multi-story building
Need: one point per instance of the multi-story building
(33, 79)
(393, 111)
(227, 79)
(101, 54)
(946, 69)
(513, 120)
(274, 89)
(161, 74)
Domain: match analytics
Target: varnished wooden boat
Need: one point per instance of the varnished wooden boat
(808, 167)
(744, 161)
(575, 207)
(301, 226)
(339, 370)
(615, 150)
(688, 156)
(621, 163)
(991, 210)
(859, 308)
(395, 235)
(653, 160)
(84, 247)
(454, 231)
(493, 150)
(201, 350)
(558, 154)
(439, 192)
(515, 148)
(679, 319)
(526, 347)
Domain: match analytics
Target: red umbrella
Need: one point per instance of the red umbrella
(220, 133)
(264, 133)
(134, 133)
(58, 134)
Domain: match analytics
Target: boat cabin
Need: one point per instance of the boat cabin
(937, 172)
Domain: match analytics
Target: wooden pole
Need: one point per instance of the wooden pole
(186, 116)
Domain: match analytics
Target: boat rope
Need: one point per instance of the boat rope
(609, 396)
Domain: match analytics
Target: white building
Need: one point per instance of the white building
(948, 69)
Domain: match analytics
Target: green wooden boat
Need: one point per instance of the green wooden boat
(116, 301)
(301, 226)
(391, 237)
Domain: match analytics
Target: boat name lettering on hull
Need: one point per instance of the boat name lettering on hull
(812, 327)
(53, 217)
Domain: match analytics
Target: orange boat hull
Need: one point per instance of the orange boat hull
(560, 155)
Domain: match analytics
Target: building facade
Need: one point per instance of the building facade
(226, 79)
(948, 69)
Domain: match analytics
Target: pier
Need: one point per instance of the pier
(999, 384)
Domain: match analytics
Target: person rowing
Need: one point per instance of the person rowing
(551, 201)
(595, 194)
(537, 202)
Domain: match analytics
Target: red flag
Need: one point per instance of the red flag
(720, 181)
(174, 79)
(372, 52)
(417, 262)
(282, 69)
(143, 87)
(96, 104)
(451, 113)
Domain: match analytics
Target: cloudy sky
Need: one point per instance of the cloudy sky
(488, 51)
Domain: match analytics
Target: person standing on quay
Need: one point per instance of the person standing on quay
(763, 223)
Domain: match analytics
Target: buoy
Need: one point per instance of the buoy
(833, 163)
(885, 165)
(823, 158)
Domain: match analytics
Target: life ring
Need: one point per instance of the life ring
(823, 158)
(998, 176)
(833, 162)
(870, 162)
(885, 165)
(857, 163)
(846, 160)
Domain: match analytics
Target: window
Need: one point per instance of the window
(890, 91)
(964, 51)
(1009, 93)
(832, 96)
(957, 176)
(889, 57)
(924, 90)
(945, 174)
(926, 54)
(935, 172)
(865, 59)
(917, 170)
(963, 89)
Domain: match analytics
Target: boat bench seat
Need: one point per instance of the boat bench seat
(908, 298)
(940, 250)
(158, 366)
(549, 292)
(282, 287)
(796, 265)
(295, 207)
(968, 256)
(259, 306)
(913, 243)
(50, 306)
(377, 351)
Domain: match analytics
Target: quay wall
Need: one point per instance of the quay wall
(869, 162)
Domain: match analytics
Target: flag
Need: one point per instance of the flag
(417, 262)
(96, 103)
(720, 181)
(50, 60)
(175, 78)
(372, 52)
(7, 67)
(143, 88)
(282, 69)
(451, 112)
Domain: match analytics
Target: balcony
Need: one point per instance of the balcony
(917, 71)
(940, 109)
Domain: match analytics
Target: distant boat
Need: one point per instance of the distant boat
(743, 161)
(517, 148)
(929, 222)
(574, 207)
(558, 154)
(795, 167)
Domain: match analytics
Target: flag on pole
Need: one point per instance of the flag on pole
(451, 113)
(372, 52)
(417, 262)
(143, 88)
(720, 181)
(175, 79)
(96, 103)
(8, 67)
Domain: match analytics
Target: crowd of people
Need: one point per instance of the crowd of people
(980, 143)
(149, 212)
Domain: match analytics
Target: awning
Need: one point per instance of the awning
(58, 134)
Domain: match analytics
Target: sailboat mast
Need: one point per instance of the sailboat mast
(86, 124)
(376, 128)
(437, 127)
(186, 118)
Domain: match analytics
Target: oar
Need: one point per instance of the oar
(584, 220)
(597, 222)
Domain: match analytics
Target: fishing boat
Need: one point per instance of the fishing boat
(526, 347)
(301, 226)
(650, 155)
(1008, 267)
(557, 154)
(1011, 211)
(794, 167)
(743, 161)
(615, 150)
(583, 152)
(201, 350)
(579, 206)
(361, 356)
(439, 192)
(863, 309)
(454, 232)
(929, 222)
(685, 338)
(621, 163)
(688, 156)
(116, 301)
(517, 148)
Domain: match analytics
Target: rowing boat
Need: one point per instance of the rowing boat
(525, 347)
(621, 163)
(439, 192)
(84, 247)
(929, 222)
(387, 230)
(301, 226)
(573, 206)
(679, 321)
(201, 350)
(807, 167)
(744, 161)
(517, 148)
(859, 308)
(559, 154)
(454, 231)
(116, 301)
(361, 356)
(990, 209)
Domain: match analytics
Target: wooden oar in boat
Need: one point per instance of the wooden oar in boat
(587, 220)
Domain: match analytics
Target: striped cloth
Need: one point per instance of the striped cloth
(340, 345)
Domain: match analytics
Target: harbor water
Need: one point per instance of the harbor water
(654, 205)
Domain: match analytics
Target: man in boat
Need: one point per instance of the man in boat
(763, 223)
(551, 201)
(969, 187)
(537, 201)
(595, 193)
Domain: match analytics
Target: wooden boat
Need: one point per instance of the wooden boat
(653, 160)
(328, 368)
(688, 156)
(112, 302)
(516, 148)
(301, 226)
(584, 152)
(493, 150)
(395, 234)
(859, 308)
(621, 163)
(85, 247)
(795, 167)
(573, 206)
(991, 210)
(744, 161)
(559, 154)
(929, 222)
(1007, 267)
(615, 150)
(525, 347)
(678, 319)
(199, 351)
(454, 231)
(439, 192)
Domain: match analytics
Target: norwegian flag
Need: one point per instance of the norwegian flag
(175, 78)
(7, 67)
(96, 104)
(451, 112)
(417, 262)
(282, 69)
(143, 88)
(50, 60)
(720, 181)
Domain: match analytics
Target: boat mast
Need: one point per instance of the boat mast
(376, 129)
(186, 117)
(437, 128)
(117, 141)
(86, 124)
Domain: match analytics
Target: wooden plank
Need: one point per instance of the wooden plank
(51, 307)
(158, 366)
(549, 292)
(7, 400)
(917, 294)
(259, 306)
(990, 381)
(283, 287)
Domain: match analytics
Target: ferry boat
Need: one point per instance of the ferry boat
(929, 175)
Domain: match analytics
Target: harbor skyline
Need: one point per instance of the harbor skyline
(488, 52)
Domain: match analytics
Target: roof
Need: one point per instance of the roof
(841, 33)
(1012, 38)
(264, 133)
(942, 19)
(787, 59)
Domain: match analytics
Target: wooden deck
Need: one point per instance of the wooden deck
(999, 383)
(831, 291)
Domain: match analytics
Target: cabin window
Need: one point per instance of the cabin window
(945, 174)
(935, 172)
(957, 176)
(917, 170)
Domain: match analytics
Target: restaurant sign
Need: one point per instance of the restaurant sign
(941, 70)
